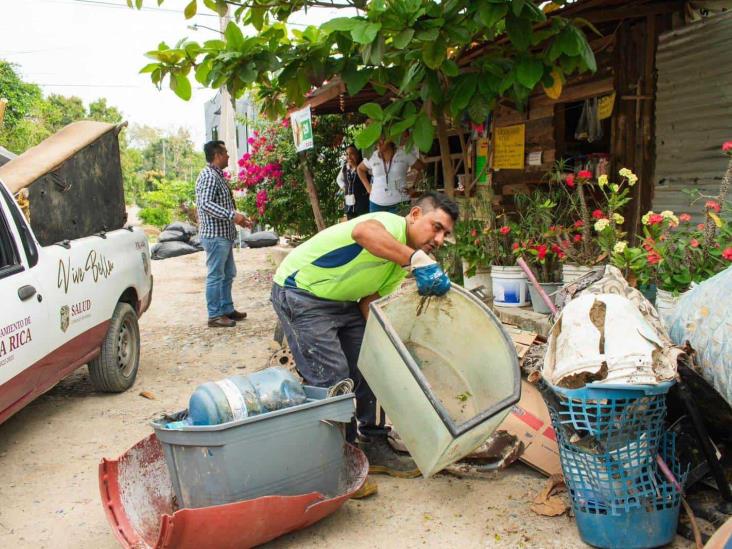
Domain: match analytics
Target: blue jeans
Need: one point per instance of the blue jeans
(221, 273)
(325, 339)
(373, 207)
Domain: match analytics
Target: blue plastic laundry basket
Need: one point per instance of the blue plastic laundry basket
(609, 437)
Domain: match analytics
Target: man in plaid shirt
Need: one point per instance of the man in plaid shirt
(217, 217)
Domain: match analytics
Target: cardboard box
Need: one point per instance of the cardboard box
(529, 421)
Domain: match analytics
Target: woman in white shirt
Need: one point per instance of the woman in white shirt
(389, 166)
(356, 193)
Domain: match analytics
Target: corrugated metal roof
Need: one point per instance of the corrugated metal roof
(693, 112)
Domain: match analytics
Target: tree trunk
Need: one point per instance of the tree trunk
(447, 173)
(312, 192)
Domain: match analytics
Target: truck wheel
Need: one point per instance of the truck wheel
(115, 369)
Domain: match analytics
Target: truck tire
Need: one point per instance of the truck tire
(115, 369)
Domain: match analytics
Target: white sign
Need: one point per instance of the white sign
(535, 158)
(302, 129)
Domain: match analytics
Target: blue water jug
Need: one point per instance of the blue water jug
(239, 397)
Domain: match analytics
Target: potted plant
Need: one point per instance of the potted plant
(510, 285)
(472, 245)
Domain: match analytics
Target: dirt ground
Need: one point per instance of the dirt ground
(49, 452)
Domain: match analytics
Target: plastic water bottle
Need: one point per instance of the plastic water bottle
(239, 397)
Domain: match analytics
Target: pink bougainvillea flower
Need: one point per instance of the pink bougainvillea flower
(713, 205)
(655, 219)
(505, 229)
(579, 223)
(727, 254)
(569, 180)
(701, 226)
(694, 243)
(578, 238)
(684, 218)
(597, 214)
(584, 174)
(727, 146)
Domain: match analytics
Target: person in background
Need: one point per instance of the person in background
(322, 290)
(355, 190)
(217, 217)
(389, 166)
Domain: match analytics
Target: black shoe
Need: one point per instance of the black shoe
(383, 459)
(221, 322)
(236, 315)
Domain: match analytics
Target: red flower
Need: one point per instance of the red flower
(556, 249)
(727, 146)
(473, 233)
(684, 218)
(597, 214)
(561, 255)
(579, 223)
(701, 226)
(727, 254)
(578, 238)
(653, 258)
(515, 246)
(505, 229)
(655, 219)
(694, 243)
(713, 205)
(569, 180)
(541, 250)
(565, 244)
(584, 174)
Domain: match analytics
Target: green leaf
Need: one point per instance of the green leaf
(529, 71)
(403, 39)
(568, 42)
(479, 109)
(369, 135)
(191, 9)
(149, 68)
(181, 86)
(423, 132)
(365, 32)
(372, 110)
(463, 91)
(428, 35)
(373, 53)
(585, 50)
(535, 13)
(402, 126)
(256, 16)
(234, 37)
(517, 6)
(356, 79)
(450, 68)
(519, 32)
(202, 72)
(412, 77)
(219, 6)
(490, 13)
(340, 24)
(434, 53)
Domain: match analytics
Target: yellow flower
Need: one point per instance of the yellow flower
(619, 248)
(602, 180)
(615, 187)
(625, 172)
(632, 179)
(601, 225)
(644, 219)
(619, 219)
(673, 220)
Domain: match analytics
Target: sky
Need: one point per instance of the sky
(95, 48)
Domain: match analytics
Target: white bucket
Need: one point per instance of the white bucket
(482, 277)
(666, 304)
(510, 286)
(572, 271)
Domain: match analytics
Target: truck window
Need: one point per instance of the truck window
(26, 238)
(9, 258)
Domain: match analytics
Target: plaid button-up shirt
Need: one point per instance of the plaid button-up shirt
(215, 205)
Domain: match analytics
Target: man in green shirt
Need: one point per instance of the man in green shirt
(323, 288)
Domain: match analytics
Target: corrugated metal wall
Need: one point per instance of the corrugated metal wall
(693, 112)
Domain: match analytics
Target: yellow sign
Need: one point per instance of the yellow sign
(605, 106)
(509, 147)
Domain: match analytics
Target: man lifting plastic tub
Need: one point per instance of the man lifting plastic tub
(322, 291)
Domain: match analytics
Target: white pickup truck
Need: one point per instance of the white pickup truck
(77, 301)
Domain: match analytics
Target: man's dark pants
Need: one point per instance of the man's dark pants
(325, 339)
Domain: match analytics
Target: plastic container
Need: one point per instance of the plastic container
(291, 451)
(572, 272)
(482, 277)
(510, 286)
(443, 369)
(537, 303)
(239, 397)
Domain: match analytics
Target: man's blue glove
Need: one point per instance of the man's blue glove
(431, 279)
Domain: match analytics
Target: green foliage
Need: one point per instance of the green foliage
(416, 43)
(169, 200)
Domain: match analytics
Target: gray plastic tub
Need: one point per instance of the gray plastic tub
(288, 452)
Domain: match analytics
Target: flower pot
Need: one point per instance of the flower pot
(572, 271)
(537, 303)
(510, 286)
(482, 277)
(666, 304)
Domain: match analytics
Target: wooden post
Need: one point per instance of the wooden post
(447, 172)
(3, 104)
(312, 192)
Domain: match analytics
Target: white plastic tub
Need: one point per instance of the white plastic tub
(443, 369)
(510, 286)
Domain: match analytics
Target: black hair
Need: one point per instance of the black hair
(353, 146)
(432, 201)
(211, 148)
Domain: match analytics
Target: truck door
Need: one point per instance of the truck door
(23, 318)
